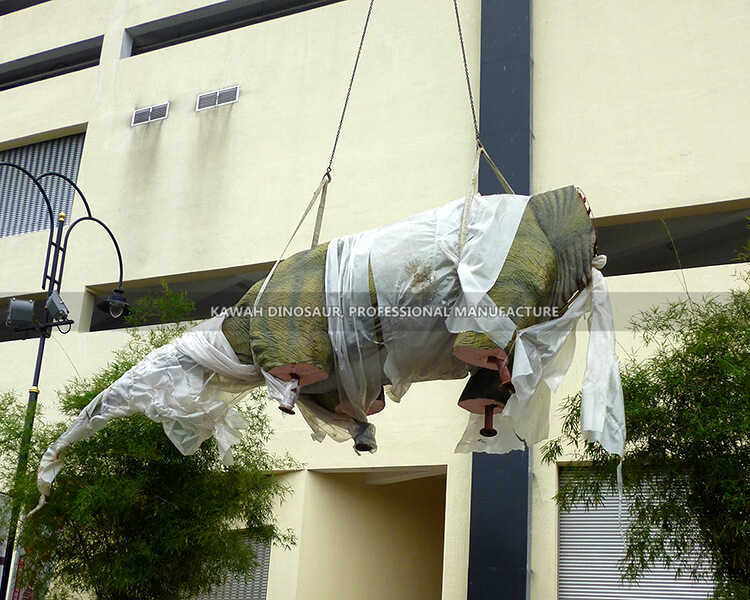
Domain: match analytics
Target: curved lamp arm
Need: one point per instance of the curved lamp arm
(65, 246)
(49, 212)
(72, 184)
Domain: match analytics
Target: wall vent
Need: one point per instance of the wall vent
(228, 95)
(150, 113)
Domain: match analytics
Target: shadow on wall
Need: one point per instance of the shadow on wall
(144, 155)
(211, 146)
(371, 540)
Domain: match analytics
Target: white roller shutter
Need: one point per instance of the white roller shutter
(590, 548)
(22, 209)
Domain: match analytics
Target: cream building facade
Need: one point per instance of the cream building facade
(641, 105)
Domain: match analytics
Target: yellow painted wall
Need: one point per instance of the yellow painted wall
(644, 106)
(225, 187)
(371, 541)
(640, 104)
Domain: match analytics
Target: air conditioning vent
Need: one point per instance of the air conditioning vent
(206, 101)
(228, 95)
(141, 116)
(159, 112)
(150, 113)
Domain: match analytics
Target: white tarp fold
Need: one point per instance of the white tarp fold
(425, 293)
(188, 385)
(542, 356)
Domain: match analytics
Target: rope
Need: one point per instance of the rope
(496, 171)
(349, 90)
(480, 147)
(322, 205)
(466, 72)
(323, 186)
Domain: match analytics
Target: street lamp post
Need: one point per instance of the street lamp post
(55, 315)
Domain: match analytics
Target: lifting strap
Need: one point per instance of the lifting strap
(322, 188)
(320, 191)
(480, 151)
(474, 188)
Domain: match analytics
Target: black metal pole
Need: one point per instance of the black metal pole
(23, 453)
(23, 462)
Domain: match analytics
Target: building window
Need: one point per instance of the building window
(51, 63)
(22, 209)
(590, 548)
(209, 20)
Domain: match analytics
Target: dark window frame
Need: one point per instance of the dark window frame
(9, 6)
(704, 235)
(210, 20)
(219, 288)
(51, 63)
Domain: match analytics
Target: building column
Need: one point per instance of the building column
(499, 530)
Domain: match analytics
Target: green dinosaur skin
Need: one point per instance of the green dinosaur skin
(275, 340)
(548, 261)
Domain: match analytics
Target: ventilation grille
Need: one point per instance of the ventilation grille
(228, 95)
(150, 113)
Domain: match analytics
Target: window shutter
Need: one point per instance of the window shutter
(253, 588)
(22, 209)
(590, 548)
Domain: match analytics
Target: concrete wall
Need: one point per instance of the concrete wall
(642, 105)
(225, 187)
(371, 541)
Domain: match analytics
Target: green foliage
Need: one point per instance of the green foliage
(744, 254)
(129, 517)
(165, 307)
(687, 459)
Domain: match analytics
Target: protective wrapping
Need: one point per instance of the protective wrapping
(424, 294)
(397, 302)
(428, 291)
(543, 354)
(188, 385)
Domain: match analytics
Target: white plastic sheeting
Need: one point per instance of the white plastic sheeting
(322, 422)
(417, 259)
(543, 353)
(188, 385)
(426, 291)
(420, 281)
